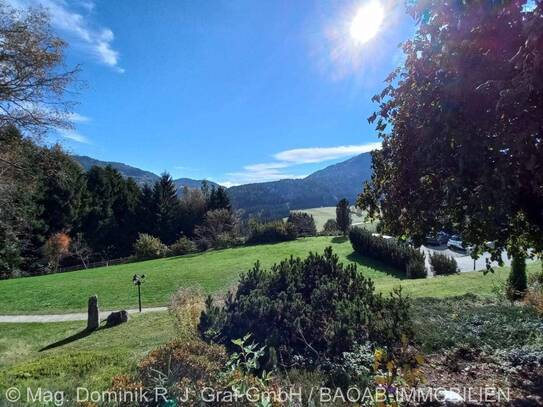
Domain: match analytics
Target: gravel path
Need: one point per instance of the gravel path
(80, 316)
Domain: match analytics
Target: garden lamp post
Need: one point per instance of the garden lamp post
(138, 280)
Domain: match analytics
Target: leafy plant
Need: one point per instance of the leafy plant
(182, 246)
(330, 227)
(244, 366)
(149, 247)
(443, 265)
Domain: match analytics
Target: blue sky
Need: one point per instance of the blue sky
(232, 91)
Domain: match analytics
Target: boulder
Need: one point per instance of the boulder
(116, 318)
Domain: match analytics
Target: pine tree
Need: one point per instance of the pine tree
(343, 216)
(218, 199)
(167, 208)
(146, 211)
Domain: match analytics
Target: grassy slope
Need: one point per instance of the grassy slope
(321, 215)
(87, 361)
(214, 271)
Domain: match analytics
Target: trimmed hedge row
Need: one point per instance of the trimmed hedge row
(398, 255)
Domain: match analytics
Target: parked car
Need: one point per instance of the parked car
(437, 239)
(456, 243)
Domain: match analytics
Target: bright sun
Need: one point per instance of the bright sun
(367, 21)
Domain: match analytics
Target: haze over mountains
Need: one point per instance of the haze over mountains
(274, 199)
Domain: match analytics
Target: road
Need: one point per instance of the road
(465, 262)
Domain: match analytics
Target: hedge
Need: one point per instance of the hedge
(398, 255)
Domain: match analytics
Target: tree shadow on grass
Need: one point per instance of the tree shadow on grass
(75, 337)
(375, 264)
(339, 239)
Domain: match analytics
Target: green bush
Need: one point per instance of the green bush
(443, 265)
(182, 246)
(416, 268)
(272, 232)
(303, 223)
(396, 254)
(149, 247)
(330, 227)
(517, 281)
(311, 309)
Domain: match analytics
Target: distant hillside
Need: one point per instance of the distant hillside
(191, 183)
(140, 176)
(322, 188)
(273, 199)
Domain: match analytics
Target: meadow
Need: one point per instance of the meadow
(62, 356)
(322, 214)
(215, 272)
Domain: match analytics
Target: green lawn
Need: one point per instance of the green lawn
(322, 214)
(214, 271)
(75, 359)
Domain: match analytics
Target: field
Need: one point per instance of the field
(214, 272)
(61, 356)
(74, 359)
(321, 215)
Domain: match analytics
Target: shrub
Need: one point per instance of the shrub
(226, 240)
(56, 248)
(220, 229)
(315, 309)
(330, 227)
(183, 364)
(149, 247)
(272, 232)
(396, 254)
(182, 246)
(186, 304)
(416, 268)
(303, 223)
(443, 265)
(517, 281)
(534, 297)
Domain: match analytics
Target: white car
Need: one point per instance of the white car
(455, 242)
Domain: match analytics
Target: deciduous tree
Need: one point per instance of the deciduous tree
(461, 122)
(33, 79)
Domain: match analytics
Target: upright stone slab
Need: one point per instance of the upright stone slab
(93, 320)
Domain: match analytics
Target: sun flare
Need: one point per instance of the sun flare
(367, 21)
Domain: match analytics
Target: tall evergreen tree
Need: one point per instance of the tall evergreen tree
(110, 225)
(167, 208)
(218, 199)
(343, 216)
(64, 187)
(146, 211)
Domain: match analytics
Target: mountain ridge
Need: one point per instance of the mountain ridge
(274, 199)
(141, 177)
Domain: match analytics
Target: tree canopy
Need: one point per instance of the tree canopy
(461, 123)
(33, 79)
